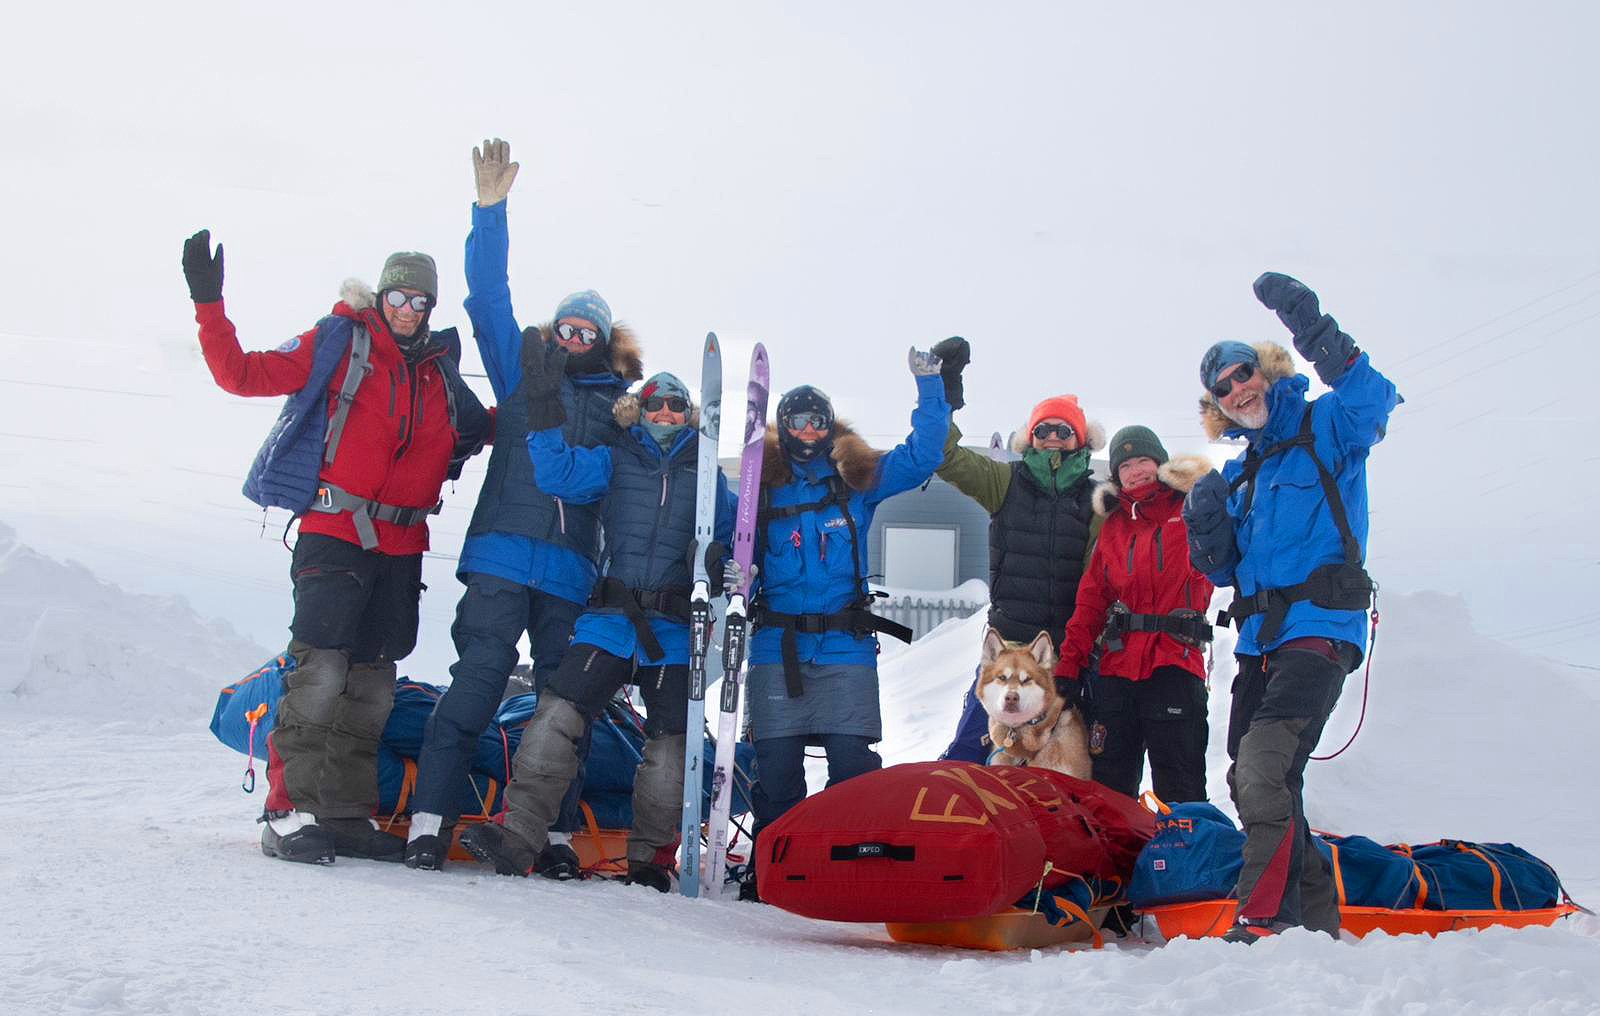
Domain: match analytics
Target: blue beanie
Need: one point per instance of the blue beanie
(663, 384)
(1223, 355)
(590, 306)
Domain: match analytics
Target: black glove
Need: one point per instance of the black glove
(202, 271)
(543, 366)
(954, 354)
(1212, 547)
(1316, 335)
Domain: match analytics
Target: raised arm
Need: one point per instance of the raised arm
(912, 462)
(276, 372)
(488, 303)
(975, 475)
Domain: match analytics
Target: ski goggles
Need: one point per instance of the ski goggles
(1045, 431)
(655, 403)
(1222, 386)
(800, 421)
(397, 299)
(566, 333)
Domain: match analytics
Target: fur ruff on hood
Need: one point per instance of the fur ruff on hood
(357, 294)
(1180, 474)
(626, 360)
(1021, 440)
(626, 411)
(856, 461)
(1276, 364)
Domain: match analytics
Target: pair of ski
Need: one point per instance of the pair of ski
(735, 631)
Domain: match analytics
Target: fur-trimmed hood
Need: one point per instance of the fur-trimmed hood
(1021, 440)
(357, 294)
(856, 461)
(627, 362)
(626, 410)
(1180, 473)
(1276, 364)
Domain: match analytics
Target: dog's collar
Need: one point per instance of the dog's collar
(1031, 723)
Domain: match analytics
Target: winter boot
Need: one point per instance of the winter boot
(429, 843)
(652, 875)
(1252, 930)
(361, 837)
(558, 861)
(295, 836)
(747, 884)
(494, 844)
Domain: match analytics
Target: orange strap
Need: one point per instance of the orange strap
(407, 784)
(591, 822)
(1422, 885)
(1480, 855)
(1077, 912)
(1338, 873)
(1154, 804)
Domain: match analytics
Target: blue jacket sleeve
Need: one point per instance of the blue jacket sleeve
(579, 475)
(912, 462)
(488, 302)
(1361, 402)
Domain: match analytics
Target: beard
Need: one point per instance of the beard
(1251, 417)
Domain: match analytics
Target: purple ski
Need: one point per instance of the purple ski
(735, 632)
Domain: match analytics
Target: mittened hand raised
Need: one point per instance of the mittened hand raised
(1296, 305)
(494, 170)
(954, 354)
(201, 270)
(922, 364)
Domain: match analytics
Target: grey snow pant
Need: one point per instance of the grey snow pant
(550, 753)
(1281, 702)
(355, 614)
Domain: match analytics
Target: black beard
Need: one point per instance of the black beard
(590, 361)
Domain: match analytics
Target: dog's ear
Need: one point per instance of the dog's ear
(993, 645)
(1043, 650)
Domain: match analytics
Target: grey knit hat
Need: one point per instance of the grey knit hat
(1133, 442)
(409, 269)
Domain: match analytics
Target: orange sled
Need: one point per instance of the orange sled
(1210, 918)
(1010, 929)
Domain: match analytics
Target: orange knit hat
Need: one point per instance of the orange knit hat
(1064, 407)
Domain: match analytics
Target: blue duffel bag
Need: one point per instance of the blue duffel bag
(1195, 854)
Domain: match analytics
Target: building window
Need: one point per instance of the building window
(919, 557)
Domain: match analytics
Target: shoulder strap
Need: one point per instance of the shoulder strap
(1304, 438)
(360, 367)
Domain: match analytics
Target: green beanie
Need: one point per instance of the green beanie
(1133, 442)
(408, 269)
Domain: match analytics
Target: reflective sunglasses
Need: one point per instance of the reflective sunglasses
(1043, 431)
(800, 421)
(567, 333)
(1225, 385)
(397, 299)
(673, 402)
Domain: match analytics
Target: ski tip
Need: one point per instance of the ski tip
(711, 340)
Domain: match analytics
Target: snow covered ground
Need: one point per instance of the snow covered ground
(133, 883)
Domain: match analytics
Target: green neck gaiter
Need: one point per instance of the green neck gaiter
(1056, 471)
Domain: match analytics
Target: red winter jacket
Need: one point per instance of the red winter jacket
(397, 438)
(1141, 559)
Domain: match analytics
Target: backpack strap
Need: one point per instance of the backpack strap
(360, 367)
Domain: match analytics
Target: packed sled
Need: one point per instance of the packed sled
(245, 714)
(1008, 857)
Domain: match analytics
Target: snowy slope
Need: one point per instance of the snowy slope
(136, 885)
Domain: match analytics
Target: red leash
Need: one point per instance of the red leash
(1366, 684)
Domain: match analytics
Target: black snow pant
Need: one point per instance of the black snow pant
(355, 614)
(550, 752)
(1164, 714)
(1281, 702)
(490, 619)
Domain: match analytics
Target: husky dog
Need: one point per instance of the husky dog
(1031, 723)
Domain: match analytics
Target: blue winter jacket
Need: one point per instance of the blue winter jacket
(1289, 530)
(806, 562)
(515, 556)
(643, 549)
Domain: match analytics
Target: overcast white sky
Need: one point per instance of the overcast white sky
(1085, 193)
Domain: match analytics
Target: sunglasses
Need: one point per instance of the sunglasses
(397, 299)
(655, 402)
(567, 333)
(1045, 431)
(1225, 385)
(800, 421)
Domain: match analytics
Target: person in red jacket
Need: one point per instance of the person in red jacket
(357, 565)
(1142, 595)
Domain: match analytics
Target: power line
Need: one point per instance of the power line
(1501, 317)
